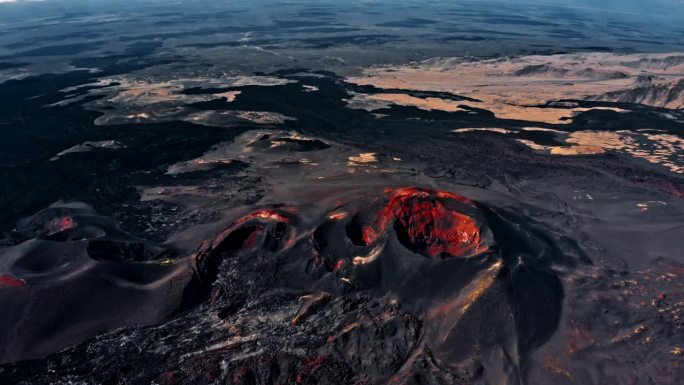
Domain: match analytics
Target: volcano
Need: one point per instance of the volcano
(344, 193)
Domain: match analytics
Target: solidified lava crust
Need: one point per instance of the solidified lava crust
(372, 290)
(270, 227)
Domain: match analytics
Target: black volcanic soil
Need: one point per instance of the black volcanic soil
(441, 259)
(289, 294)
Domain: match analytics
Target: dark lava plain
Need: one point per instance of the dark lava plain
(334, 245)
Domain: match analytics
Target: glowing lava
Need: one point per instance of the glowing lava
(61, 224)
(428, 221)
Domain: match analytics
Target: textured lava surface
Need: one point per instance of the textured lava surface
(428, 224)
(392, 286)
(347, 193)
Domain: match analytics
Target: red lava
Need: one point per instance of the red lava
(262, 214)
(429, 223)
(61, 224)
(339, 264)
(338, 216)
(10, 281)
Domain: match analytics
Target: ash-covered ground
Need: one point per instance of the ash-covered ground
(316, 193)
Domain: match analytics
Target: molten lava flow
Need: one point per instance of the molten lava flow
(338, 216)
(426, 222)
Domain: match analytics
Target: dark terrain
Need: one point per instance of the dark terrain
(250, 227)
